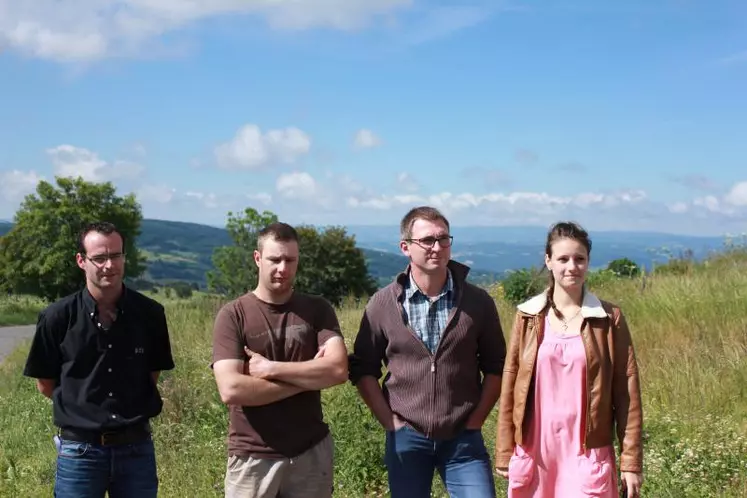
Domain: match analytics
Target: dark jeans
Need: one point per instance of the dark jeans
(463, 463)
(87, 470)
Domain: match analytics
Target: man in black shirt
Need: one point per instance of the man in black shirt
(97, 354)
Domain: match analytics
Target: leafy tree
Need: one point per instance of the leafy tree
(37, 256)
(522, 284)
(624, 267)
(330, 264)
(183, 290)
(234, 270)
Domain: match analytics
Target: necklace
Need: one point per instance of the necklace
(565, 321)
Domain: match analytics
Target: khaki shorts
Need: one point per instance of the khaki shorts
(309, 475)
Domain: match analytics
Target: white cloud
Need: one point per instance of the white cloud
(262, 198)
(179, 200)
(70, 161)
(347, 184)
(709, 202)
(731, 59)
(696, 182)
(252, 149)
(139, 149)
(15, 184)
(678, 207)
(86, 30)
(160, 194)
(208, 200)
(487, 177)
(528, 202)
(297, 185)
(407, 183)
(366, 139)
(442, 21)
(526, 157)
(737, 196)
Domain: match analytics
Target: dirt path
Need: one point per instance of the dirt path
(10, 337)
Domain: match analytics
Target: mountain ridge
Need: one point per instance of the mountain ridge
(182, 251)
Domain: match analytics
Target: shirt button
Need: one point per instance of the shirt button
(110, 346)
(110, 369)
(114, 416)
(110, 394)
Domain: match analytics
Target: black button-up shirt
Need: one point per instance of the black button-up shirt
(104, 379)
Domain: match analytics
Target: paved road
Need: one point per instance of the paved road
(11, 336)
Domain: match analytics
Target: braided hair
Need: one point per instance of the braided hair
(563, 230)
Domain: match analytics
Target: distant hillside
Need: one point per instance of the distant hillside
(499, 249)
(183, 251)
(178, 251)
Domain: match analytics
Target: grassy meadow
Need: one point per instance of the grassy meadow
(19, 310)
(690, 331)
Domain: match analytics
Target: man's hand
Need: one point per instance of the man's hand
(262, 368)
(320, 353)
(502, 472)
(474, 423)
(395, 425)
(258, 366)
(632, 482)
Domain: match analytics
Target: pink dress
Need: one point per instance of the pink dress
(552, 462)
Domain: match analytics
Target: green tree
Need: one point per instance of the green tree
(524, 283)
(234, 271)
(183, 290)
(330, 264)
(624, 267)
(37, 256)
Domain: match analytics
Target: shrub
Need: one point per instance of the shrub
(183, 290)
(600, 278)
(624, 267)
(522, 284)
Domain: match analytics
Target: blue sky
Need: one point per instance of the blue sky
(620, 115)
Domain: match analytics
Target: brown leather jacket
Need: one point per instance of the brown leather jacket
(613, 389)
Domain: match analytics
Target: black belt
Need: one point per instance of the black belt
(125, 435)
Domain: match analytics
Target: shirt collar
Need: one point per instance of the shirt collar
(90, 303)
(591, 307)
(412, 287)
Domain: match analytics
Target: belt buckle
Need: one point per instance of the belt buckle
(103, 438)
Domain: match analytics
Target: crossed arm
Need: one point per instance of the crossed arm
(261, 381)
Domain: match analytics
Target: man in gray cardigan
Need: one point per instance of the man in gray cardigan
(441, 340)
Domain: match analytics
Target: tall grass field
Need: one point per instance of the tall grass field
(19, 310)
(690, 333)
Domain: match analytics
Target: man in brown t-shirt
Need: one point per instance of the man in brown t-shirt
(274, 349)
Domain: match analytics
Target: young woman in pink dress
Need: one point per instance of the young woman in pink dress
(569, 384)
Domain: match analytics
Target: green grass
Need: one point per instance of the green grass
(171, 257)
(689, 332)
(19, 310)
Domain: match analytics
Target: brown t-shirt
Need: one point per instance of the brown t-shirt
(292, 331)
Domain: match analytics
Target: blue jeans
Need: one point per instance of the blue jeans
(463, 463)
(87, 470)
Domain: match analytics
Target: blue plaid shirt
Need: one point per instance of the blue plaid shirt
(426, 316)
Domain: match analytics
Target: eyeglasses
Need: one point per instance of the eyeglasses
(429, 242)
(101, 259)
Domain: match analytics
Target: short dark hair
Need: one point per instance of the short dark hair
(103, 227)
(282, 232)
(427, 213)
